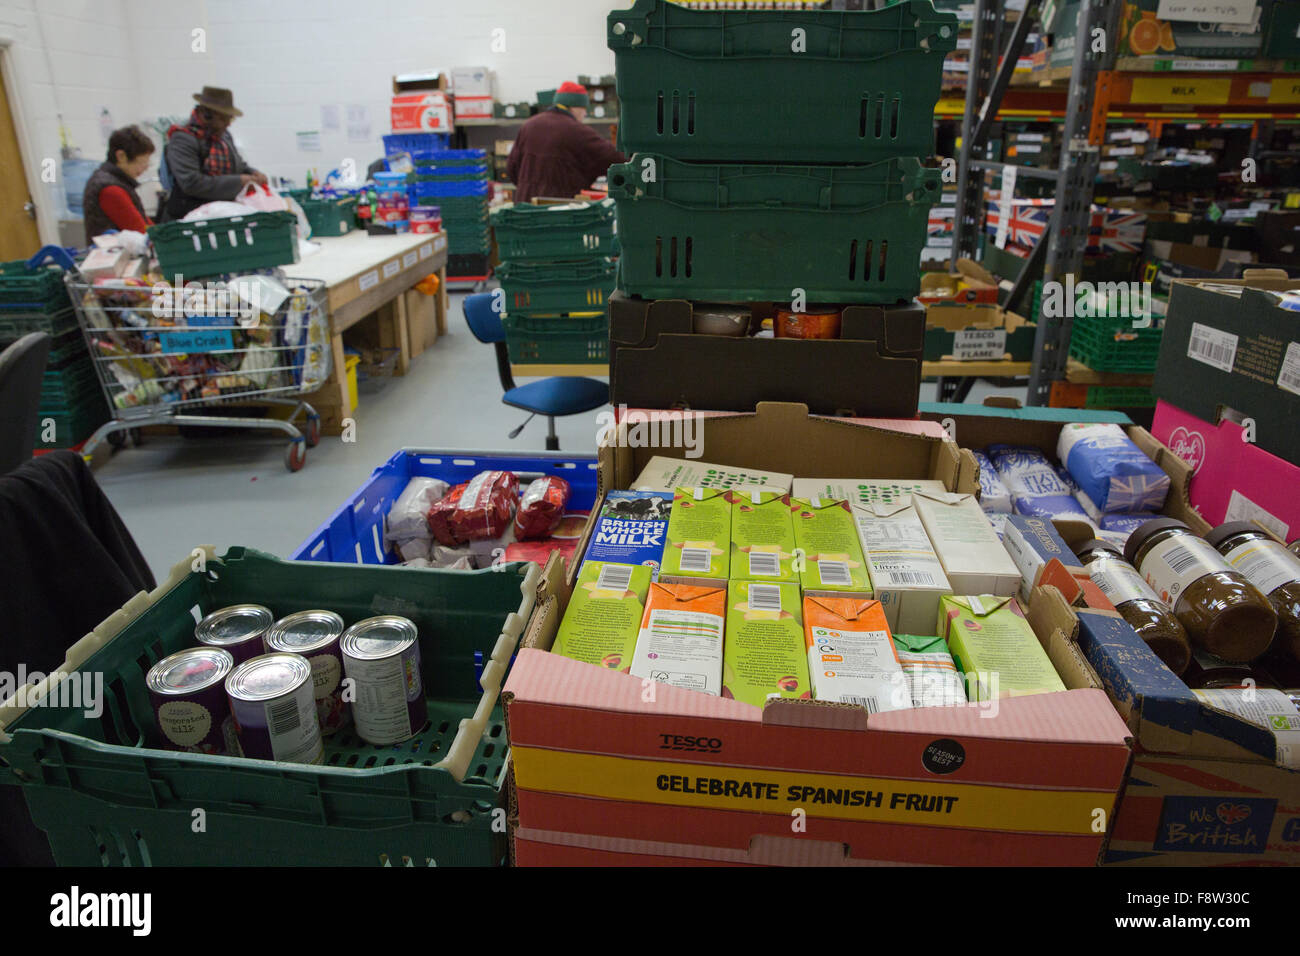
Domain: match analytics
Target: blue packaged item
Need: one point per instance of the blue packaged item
(1111, 469)
(1036, 489)
(994, 497)
(1125, 523)
(632, 528)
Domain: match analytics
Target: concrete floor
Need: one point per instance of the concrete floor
(176, 493)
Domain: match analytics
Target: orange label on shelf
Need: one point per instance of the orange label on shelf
(1181, 89)
(1284, 90)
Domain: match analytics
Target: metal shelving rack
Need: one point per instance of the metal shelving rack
(1062, 246)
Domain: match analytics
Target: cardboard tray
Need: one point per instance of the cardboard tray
(953, 328)
(872, 370)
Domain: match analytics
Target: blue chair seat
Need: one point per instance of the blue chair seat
(558, 396)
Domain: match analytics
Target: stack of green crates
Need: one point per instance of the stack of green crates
(72, 403)
(557, 273)
(776, 150)
(457, 182)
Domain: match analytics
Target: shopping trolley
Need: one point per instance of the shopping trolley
(164, 352)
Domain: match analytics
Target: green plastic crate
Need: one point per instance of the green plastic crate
(31, 290)
(14, 325)
(259, 240)
(330, 217)
(558, 231)
(66, 387)
(809, 86)
(551, 340)
(68, 427)
(733, 232)
(1119, 396)
(1113, 345)
(555, 288)
(105, 797)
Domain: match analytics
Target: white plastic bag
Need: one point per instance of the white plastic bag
(262, 198)
(407, 517)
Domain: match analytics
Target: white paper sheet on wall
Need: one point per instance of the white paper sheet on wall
(329, 118)
(358, 120)
(309, 141)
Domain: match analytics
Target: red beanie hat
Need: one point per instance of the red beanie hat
(569, 93)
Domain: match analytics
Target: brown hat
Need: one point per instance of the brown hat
(216, 98)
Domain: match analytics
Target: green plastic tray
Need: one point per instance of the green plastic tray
(330, 217)
(1119, 396)
(556, 288)
(105, 797)
(807, 86)
(564, 231)
(24, 289)
(70, 426)
(557, 341)
(14, 325)
(1113, 345)
(737, 232)
(259, 240)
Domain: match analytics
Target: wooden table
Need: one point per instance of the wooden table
(367, 274)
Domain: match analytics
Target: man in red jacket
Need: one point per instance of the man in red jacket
(556, 154)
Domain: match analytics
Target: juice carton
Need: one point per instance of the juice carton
(932, 676)
(906, 575)
(699, 536)
(669, 474)
(863, 492)
(995, 648)
(827, 536)
(972, 555)
(764, 655)
(680, 641)
(762, 537)
(604, 615)
(632, 528)
(850, 655)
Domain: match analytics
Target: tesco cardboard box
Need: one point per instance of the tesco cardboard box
(474, 107)
(602, 754)
(421, 112)
(1232, 478)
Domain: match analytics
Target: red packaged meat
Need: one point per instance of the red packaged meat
(439, 516)
(486, 507)
(542, 507)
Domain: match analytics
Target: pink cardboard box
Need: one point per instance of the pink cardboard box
(1232, 479)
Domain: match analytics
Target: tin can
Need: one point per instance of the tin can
(382, 657)
(274, 709)
(315, 636)
(237, 629)
(189, 699)
(816, 323)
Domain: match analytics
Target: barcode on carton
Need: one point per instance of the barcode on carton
(283, 717)
(1214, 347)
(911, 577)
(764, 563)
(868, 702)
(1288, 377)
(614, 577)
(834, 573)
(764, 597)
(697, 559)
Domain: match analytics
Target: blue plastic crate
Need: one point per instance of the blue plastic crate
(449, 155)
(474, 187)
(354, 534)
(414, 142)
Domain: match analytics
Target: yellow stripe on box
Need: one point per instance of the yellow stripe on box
(870, 799)
(1284, 90)
(1197, 90)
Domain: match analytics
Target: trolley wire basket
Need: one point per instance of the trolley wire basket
(178, 355)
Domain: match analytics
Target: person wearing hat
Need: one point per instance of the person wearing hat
(201, 156)
(555, 153)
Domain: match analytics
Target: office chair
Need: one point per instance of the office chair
(552, 397)
(21, 367)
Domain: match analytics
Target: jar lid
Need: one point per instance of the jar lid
(1144, 531)
(1096, 544)
(268, 677)
(1230, 528)
(304, 631)
(189, 671)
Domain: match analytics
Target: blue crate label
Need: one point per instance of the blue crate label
(1215, 824)
(1111, 469)
(632, 528)
(181, 343)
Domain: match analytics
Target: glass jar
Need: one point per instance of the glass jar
(1137, 604)
(1267, 564)
(1221, 611)
(1207, 672)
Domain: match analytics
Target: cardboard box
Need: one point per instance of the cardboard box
(762, 537)
(861, 492)
(1207, 788)
(1034, 544)
(472, 81)
(763, 653)
(680, 641)
(971, 283)
(1231, 479)
(827, 537)
(872, 370)
(932, 675)
(851, 656)
(1235, 351)
(428, 112)
(698, 548)
(906, 575)
(421, 80)
(596, 760)
(972, 332)
(973, 558)
(604, 616)
(474, 107)
(631, 528)
(667, 474)
(996, 650)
